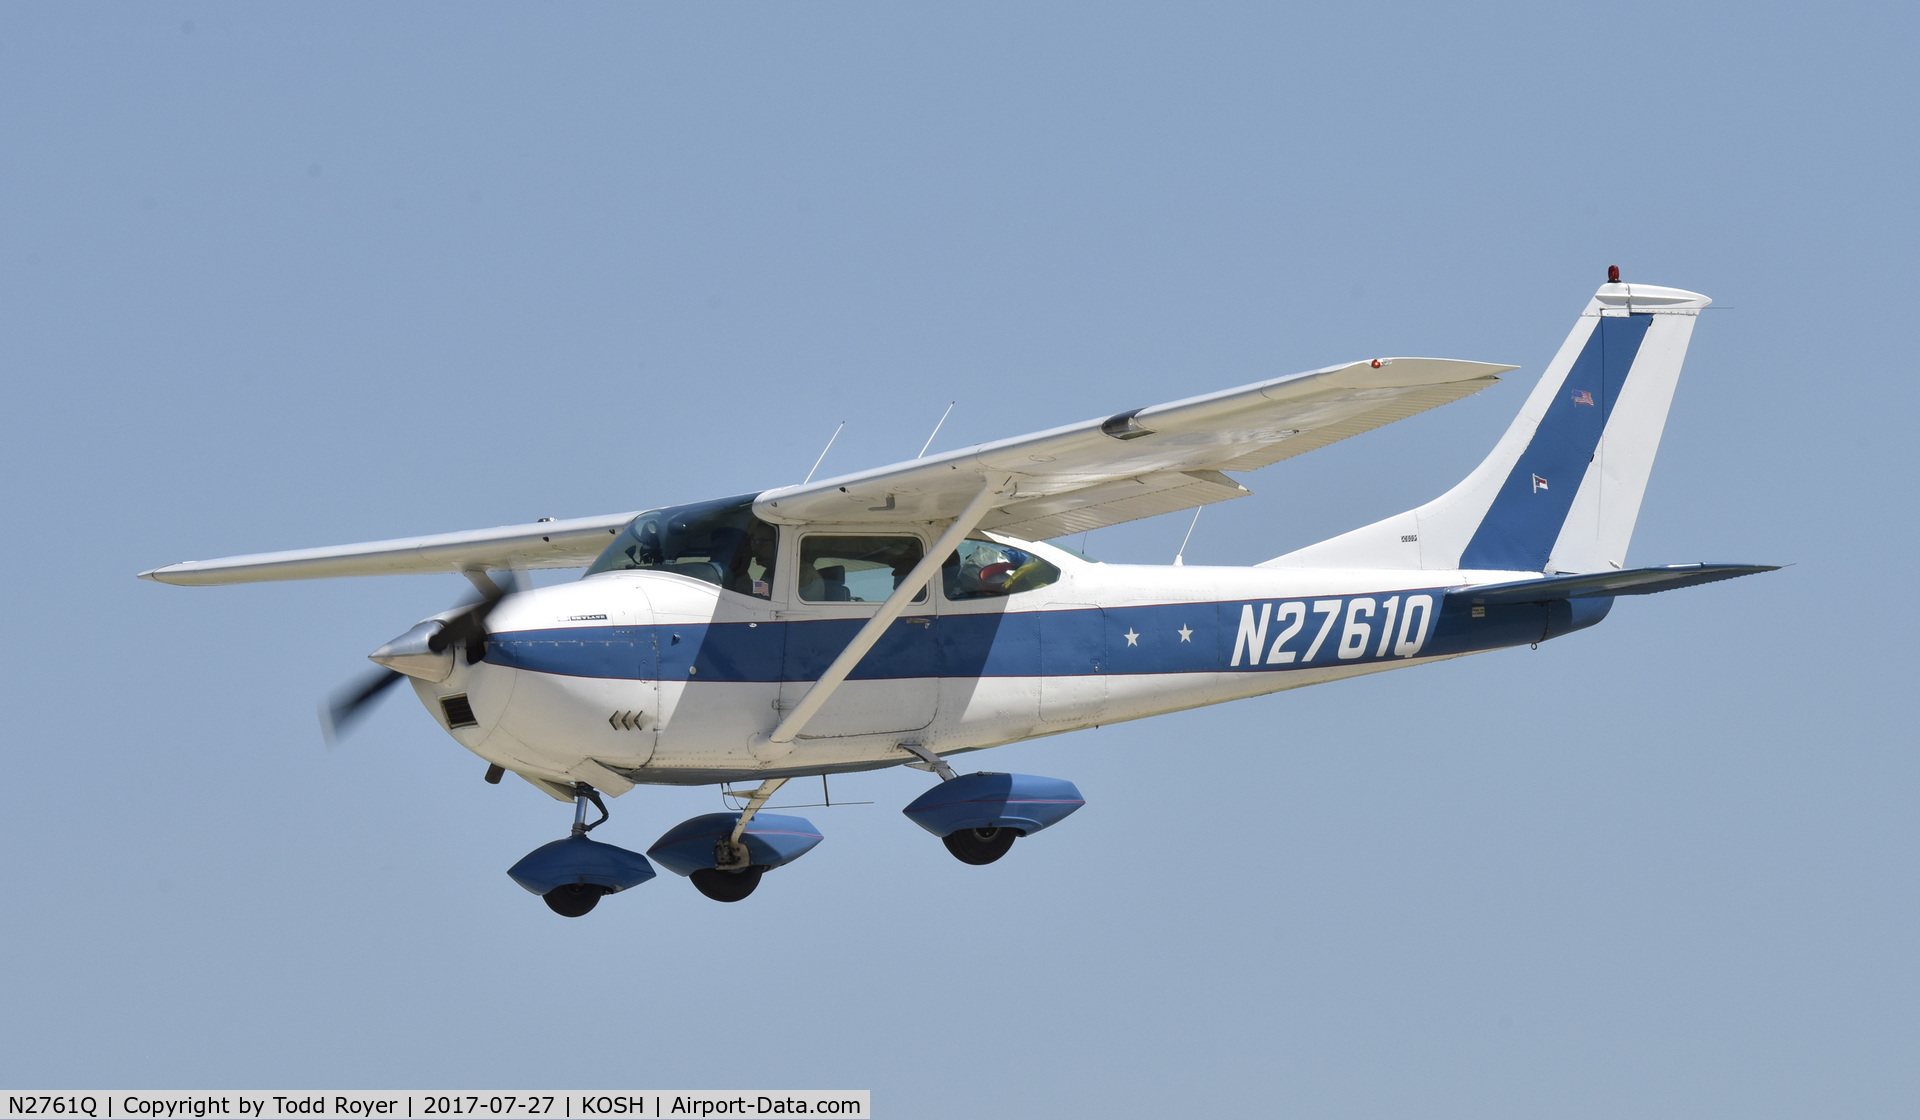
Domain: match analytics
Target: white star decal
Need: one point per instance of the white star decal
(1132, 638)
(1186, 635)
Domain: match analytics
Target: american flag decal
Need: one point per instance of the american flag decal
(1539, 484)
(1581, 396)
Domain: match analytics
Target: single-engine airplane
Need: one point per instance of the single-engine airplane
(915, 612)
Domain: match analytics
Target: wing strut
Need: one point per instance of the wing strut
(780, 741)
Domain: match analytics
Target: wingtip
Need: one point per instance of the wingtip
(173, 575)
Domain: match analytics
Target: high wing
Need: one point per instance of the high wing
(1141, 463)
(1082, 476)
(543, 544)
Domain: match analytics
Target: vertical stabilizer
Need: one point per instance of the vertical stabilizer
(1562, 488)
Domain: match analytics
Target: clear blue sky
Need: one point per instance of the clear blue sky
(275, 276)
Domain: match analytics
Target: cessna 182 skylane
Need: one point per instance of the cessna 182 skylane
(907, 614)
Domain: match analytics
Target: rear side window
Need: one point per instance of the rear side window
(981, 569)
(850, 569)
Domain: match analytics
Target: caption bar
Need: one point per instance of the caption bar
(365, 1104)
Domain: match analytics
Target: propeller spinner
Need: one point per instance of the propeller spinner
(426, 652)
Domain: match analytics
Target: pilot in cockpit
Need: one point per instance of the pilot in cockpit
(750, 558)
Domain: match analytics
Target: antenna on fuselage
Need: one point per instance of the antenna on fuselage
(1179, 560)
(936, 431)
(823, 453)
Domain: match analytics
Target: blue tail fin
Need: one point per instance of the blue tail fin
(1562, 488)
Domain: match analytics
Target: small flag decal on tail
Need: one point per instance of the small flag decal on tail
(1581, 396)
(1539, 484)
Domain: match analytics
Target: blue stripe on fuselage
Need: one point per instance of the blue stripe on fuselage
(1135, 640)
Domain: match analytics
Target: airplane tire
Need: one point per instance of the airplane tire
(573, 900)
(726, 886)
(979, 846)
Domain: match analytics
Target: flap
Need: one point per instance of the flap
(1143, 462)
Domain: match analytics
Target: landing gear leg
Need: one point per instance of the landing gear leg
(583, 793)
(573, 900)
(928, 760)
(733, 876)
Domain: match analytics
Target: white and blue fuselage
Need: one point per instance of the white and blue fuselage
(632, 677)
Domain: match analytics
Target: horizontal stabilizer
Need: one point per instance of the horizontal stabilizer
(1598, 585)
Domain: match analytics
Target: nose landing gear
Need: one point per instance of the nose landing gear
(574, 874)
(574, 900)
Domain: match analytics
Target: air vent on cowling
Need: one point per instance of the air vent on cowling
(459, 712)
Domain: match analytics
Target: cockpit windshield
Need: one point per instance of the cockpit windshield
(721, 542)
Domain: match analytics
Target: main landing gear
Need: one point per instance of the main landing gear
(974, 831)
(979, 816)
(734, 875)
(725, 854)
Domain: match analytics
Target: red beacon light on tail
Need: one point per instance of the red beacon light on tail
(1613, 274)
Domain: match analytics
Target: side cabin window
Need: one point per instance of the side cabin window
(856, 569)
(981, 569)
(721, 542)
